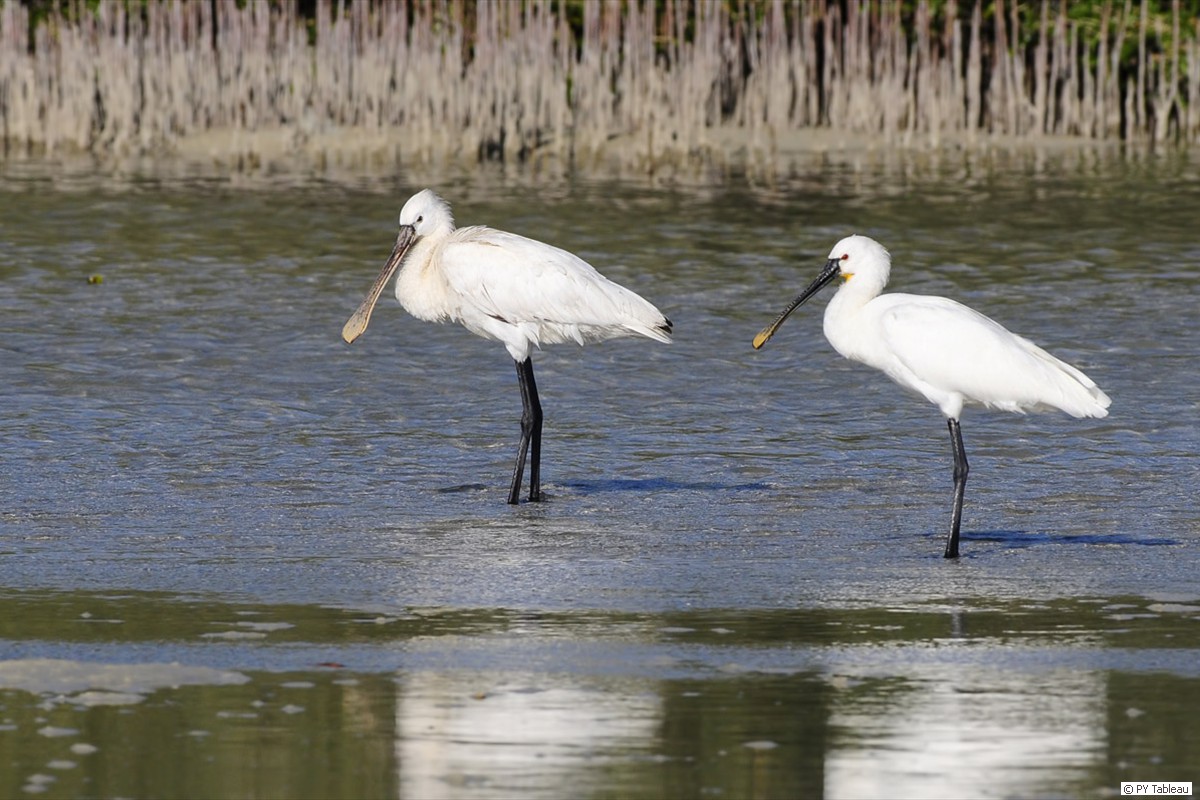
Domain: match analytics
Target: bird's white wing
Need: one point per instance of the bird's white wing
(522, 281)
(948, 345)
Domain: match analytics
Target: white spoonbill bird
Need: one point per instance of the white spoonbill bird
(501, 286)
(948, 353)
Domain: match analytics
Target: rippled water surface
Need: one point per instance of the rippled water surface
(241, 558)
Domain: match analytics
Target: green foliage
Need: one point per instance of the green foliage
(42, 10)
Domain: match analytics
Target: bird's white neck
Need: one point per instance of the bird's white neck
(843, 326)
(420, 287)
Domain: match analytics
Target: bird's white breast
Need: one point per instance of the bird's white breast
(421, 287)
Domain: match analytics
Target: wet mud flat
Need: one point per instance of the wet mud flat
(229, 542)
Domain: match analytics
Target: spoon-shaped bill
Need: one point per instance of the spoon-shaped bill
(358, 321)
(832, 270)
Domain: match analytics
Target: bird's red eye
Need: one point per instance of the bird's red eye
(845, 256)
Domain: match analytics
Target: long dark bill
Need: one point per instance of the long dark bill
(832, 269)
(358, 321)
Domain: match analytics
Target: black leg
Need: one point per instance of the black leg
(531, 437)
(535, 440)
(961, 469)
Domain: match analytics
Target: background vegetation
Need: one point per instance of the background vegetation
(656, 80)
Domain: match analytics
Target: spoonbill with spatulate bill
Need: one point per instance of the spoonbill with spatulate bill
(504, 287)
(941, 349)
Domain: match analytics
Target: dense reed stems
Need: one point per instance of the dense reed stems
(653, 82)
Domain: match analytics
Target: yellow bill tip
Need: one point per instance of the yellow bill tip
(352, 330)
(761, 339)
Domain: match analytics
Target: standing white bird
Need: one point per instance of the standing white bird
(941, 349)
(510, 289)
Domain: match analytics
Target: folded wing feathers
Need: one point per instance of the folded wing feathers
(532, 284)
(973, 354)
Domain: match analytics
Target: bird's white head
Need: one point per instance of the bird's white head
(864, 261)
(426, 213)
(858, 260)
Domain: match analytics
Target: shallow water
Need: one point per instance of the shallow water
(229, 542)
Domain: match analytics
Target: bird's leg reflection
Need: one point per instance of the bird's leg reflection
(961, 469)
(531, 437)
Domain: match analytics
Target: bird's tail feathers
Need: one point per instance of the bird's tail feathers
(1086, 401)
(660, 332)
(1077, 394)
(642, 317)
